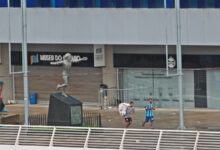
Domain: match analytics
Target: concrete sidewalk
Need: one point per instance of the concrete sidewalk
(195, 119)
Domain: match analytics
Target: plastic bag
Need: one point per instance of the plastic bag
(122, 108)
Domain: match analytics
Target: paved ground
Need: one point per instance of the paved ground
(195, 119)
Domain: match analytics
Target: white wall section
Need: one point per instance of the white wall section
(112, 26)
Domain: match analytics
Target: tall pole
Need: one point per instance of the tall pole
(179, 64)
(9, 36)
(166, 37)
(24, 61)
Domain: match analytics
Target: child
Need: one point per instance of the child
(149, 113)
(130, 112)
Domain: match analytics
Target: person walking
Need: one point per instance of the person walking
(149, 113)
(130, 112)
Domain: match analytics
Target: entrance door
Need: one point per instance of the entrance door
(200, 89)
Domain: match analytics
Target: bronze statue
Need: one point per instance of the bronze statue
(67, 61)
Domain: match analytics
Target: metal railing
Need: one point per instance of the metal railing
(90, 119)
(107, 138)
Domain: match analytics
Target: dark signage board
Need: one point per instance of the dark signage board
(45, 58)
(159, 61)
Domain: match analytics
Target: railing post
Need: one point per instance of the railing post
(159, 139)
(52, 137)
(87, 138)
(196, 141)
(122, 140)
(17, 138)
(100, 120)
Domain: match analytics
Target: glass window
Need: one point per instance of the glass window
(184, 3)
(58, 3)
(112, 3)
(210, 3)
(170, 3)
(136, 3)
(104, 3)
(193, 3)
(129, 3)
(144, 3)
(44, 3)
(15, 3)
(81, 3)
(53, 3)
(97, 3)
(160, 3)
(88, 3)
(201, 3)
(217, 3)
(3, 3)
(73, 3)
(152, 3)
(31, 3)
(119, 3)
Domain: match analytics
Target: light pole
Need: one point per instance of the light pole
(9, 36)
(24, 61)
(166, 37)
(179, 63)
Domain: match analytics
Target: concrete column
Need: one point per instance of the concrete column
(4, 71)
(109, 76)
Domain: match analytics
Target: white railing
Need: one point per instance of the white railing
(13, 137)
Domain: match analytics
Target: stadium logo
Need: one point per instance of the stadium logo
(34, 59)
(171, 62)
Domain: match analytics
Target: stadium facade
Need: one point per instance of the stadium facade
(125, 49)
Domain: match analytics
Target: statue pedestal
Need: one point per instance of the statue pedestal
(64, 111)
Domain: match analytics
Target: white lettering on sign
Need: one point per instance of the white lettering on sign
(58, 58)
(47, 57)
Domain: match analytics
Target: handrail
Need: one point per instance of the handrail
(106, 138)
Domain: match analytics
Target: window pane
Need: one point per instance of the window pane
(201, 3)
(97, 3)
(160, 3)
(128, 3)
(3, 3)
(119, 3)
(184, 3)
(144, 4)
(44, 3)
(170, 3)
(58, 3)
(210, 3)
(81, 3)
(136, 3)
(73, 3)
(217, 3)
(104, 3)
(88, 3)
(152, 3)
(15, 3)
(193, 3)
(31, 3)
(112, 3)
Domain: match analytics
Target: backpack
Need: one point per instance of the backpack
(122, 108)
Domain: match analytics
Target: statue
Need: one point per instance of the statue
(67, 61)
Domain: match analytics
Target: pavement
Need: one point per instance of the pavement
(194, 119)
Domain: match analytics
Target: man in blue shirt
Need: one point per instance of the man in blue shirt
(149, 113)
